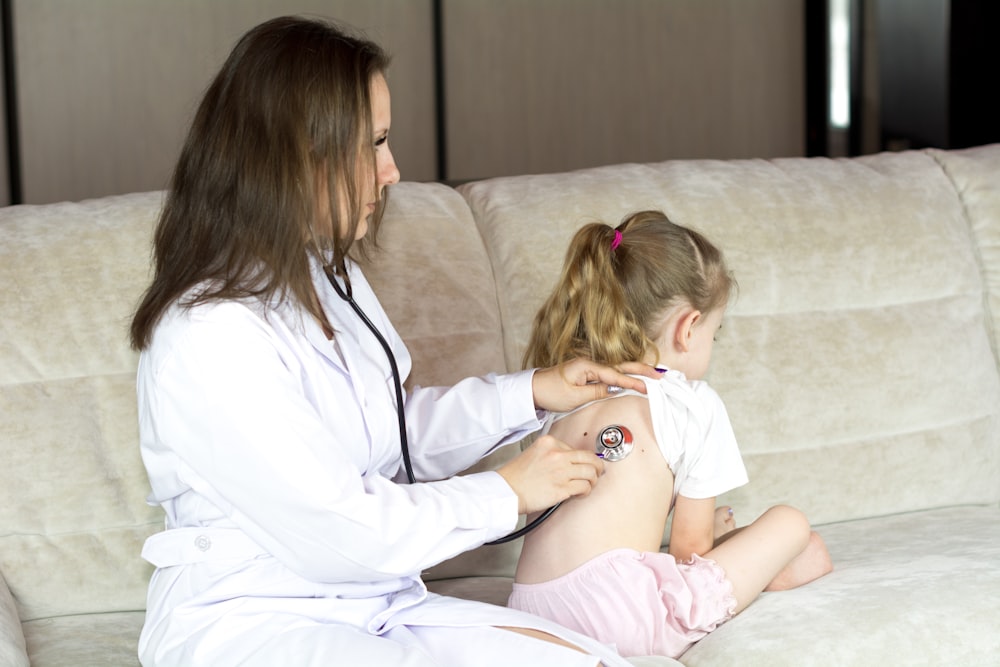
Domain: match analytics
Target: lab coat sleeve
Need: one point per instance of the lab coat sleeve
(223, 414)
(451, 428)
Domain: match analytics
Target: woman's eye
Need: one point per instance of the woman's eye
(381, 140)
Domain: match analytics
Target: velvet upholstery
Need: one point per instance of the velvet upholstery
(860, 308)
(13, 652)
(74, 514)
(858, 363)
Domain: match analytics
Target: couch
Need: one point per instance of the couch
(859, 364)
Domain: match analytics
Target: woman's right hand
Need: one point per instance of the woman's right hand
(550, 471)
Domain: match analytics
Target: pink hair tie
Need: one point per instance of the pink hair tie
(617, 240)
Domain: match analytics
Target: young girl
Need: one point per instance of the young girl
(651, 291)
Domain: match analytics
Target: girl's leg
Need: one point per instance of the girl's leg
(812, 563)
(544, 636)
(486, 646)
(754, 555)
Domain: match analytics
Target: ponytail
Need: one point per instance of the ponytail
(587, 315)
(617, 286)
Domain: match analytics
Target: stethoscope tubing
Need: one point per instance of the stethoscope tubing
(400, 412)
(404, 444)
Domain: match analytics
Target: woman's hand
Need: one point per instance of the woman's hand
(567, 386)
(550, 471)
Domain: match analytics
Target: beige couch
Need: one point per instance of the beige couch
(859, 364)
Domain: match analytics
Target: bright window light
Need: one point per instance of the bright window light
(840, 64)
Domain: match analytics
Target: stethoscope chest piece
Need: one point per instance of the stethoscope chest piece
(614, 443)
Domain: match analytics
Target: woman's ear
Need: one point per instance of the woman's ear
(684, 329)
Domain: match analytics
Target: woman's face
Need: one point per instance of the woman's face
(385, 174)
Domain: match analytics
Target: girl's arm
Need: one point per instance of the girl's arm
(693, 529)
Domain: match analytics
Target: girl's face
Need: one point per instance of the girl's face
(372, 185)
(687, 340)
(700, 343)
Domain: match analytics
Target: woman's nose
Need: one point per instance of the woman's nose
(388, 173)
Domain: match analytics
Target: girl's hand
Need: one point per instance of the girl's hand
(567, 386)
(550, 471)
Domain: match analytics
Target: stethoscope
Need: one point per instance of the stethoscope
(613, 442)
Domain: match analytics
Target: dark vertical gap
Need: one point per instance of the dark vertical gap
(817, 77)
(974, 59)
(855, 131)
(10, 104)
(439, 99)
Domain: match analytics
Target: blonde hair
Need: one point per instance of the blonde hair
(614, 291)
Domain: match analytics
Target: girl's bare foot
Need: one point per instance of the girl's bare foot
(725, 522)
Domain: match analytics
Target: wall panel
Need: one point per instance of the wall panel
(108, 87)
(561, 84)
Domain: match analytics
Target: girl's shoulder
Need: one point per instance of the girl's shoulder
(696, 396)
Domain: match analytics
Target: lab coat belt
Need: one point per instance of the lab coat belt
(179, 546)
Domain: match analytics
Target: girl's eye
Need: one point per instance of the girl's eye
(381, 140)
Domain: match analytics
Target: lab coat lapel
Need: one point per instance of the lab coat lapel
(344, 349)
(358, 352)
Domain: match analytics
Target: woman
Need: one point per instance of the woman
(267, 408)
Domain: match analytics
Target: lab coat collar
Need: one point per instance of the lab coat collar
(346, 325)
(296, 318)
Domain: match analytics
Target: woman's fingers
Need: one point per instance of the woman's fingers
(549, 472)
(567, 386)
(639, 368)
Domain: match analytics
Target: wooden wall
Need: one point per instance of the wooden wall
(106, 88)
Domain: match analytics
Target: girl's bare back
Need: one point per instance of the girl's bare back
(627, 508)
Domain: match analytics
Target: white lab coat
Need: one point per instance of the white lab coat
(289, 540)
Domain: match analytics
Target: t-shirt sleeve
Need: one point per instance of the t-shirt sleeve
(714, 464)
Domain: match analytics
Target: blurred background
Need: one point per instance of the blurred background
(98, 93)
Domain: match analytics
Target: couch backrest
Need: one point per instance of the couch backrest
(73, 514)
(858, 362)
(975, 174)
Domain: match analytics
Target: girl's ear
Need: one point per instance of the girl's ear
(684, 329)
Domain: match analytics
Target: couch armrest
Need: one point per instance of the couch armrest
(12, 649)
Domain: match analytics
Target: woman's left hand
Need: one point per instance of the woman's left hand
(567, 386)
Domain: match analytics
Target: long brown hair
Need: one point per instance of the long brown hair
(290, 104)
(615, 290)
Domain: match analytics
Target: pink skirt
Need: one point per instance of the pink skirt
(644, 603)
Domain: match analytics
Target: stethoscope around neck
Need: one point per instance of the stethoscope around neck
(348, 296)
(346, 293)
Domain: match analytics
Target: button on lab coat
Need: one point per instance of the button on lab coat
(275, 455)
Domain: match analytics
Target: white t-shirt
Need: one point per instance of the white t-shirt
(694, 434)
